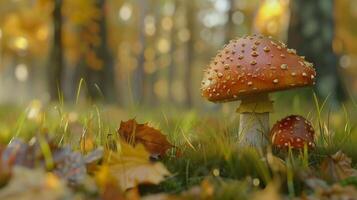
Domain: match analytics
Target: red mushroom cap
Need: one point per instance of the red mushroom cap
(293, 131)
(252, 65)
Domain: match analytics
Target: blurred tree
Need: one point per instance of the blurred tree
(55, 67)
(153, 42)
(311, 32)
(190, 52)
(96, 63)
(139, 74)
(345, 40)
(171, 67)
(230, 27)
(104, 78)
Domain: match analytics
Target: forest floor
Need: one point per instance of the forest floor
(103, 152)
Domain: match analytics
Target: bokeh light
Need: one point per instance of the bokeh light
(21, 72)
(125, 12)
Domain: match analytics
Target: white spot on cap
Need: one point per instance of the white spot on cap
(283, 66)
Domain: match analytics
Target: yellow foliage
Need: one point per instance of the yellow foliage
(130, 166)
(80, 11)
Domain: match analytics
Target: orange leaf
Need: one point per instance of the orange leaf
(153, 140)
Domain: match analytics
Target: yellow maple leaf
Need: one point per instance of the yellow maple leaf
(131, 166)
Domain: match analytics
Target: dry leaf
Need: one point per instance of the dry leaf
(94, 156)
(316, 183)
(18, 152)
(27, 184)
(108, 185)
(322, 191)
(5, 169)
(131, 166)
(64, 162)
(338, 167)
(154, 141)
(271, 192)
(69, 165)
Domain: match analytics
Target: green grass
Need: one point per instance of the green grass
(207, 140)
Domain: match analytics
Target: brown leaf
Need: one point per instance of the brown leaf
(337, 167)
(153, 140)
(131, 166)
(5, 169)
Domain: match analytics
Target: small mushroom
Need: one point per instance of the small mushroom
(293, 131)
(254, 73)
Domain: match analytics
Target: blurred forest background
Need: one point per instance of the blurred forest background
(152, 52)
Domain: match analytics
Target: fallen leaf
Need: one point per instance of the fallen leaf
(132, 194)
(337, 167)
(34, 184)
(153, 140)
(93, 158)
(69, 165)
(109, 187)
(29, 154)
(131, 166)
(5, 169)
(18, 152)
(64, 162)
(316, 183)
(334, 192)
(271, 192)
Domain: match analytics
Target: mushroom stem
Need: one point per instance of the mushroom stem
(253, 129)
(254, 120)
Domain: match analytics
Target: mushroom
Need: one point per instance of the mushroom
(293, 131)
(248, 69)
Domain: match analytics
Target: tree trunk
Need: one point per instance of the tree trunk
(190, 51)
(55, 68)
(230, 27)
(138, 81)
(171, 67)
(311, 32)
(101, 81)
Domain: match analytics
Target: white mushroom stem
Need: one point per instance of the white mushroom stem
(254, 120)
(253, 129)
